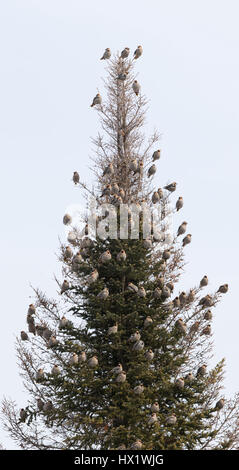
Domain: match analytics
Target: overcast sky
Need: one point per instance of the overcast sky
(50, 70)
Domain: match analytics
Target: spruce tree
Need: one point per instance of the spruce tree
(120, 359)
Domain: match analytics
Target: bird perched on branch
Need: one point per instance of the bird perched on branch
(121, 256)
(23, 415)
(121, 377)
(24, 336)
(155, 197)
(136, 87)
(181, 326)
(93, 276)
(93, 361)
(125, 53)
(106, 54)
(206, 301)
(176, 302)
(182, 229)
(147, 322)
(52, 341)
(116, 370)
(103, 294)
(105, 257)
(171, 187)
(172, 419)
(152, 170)
(189, 377)
(179, 203)
(40, 404)
(73, 359)
(206, 331)
(191, 296)
(141, 292)
(202, 370)
(48, 406)
(138, 345)
(220, 404)
(153, 419)
(65, 286)
(204, 281)
(132, 287)
(187, 239)
(82, 356)
(208, 315)
(180, 383)
(40, 375)
(149, 355)
(107, 190)
(138, 52)
(223, 289)
(194, 327)
(137, 445)
(122, 76)
(68, 253)
(183, 298)
(135, 337)
(67, 219)
(96, 100)
(155, 407)
(156, 155)
(63, 322)
(133, 165)
(113, 329)
(46, 333)
(55, 370)
(109, 170)
(138, 389)
(31, 309)
(76, 177)
(157, 293)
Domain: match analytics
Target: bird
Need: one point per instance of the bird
(40, 404)
(220, 404)
(107, 190)
(191, 295)
(183, 298)
(166, 292)
(181, 326)
(68, 253)
(93, 361)
(31, 309)
(39, 375)
(180, 383)
(76, 177)
(105, 257)
(63, 322)
(136, 87)
(138, 346)
(223, 289)
(147, 243)
(155, 407)
(160, 282)
(133, 165)
(109, 170)
(82, 356)
(103, 294)
(115, 187)
(132, 288)
(121, 256)
(170, 285)
(179, 203)
(155, 197)
(47, 333)
(208, 315)
(135, 337)
(32, 328)
(55, 370)
(202, 370)
(125, 53)
(176, 302)
(72, 238)
(113, 329)
(141, 292)
(65, 286)
(204, 281)
(166, 255)
(96, 100)
(160, 193)
(138, 389)
(24, 336)
(106, 54)
(147, 322)
(67, 219)
(171, 419)
(156, 155)
(149, 355)
(39, 330)
(152, 170)
(121, 447)
(206, 301)
(77, 260)
(48, 406)
(182, 228)
(93, 276)
(30, 319)
(187, 239)
(122, 76)
(121, 377)
(206, 331)
(194, 328)
(157, 293)
(153, 419)
(122, 193)
(137, 445)
(189, 377)
(117, 369)
(52, 341)
(74, 359)
(23, 415)
(138, 52)
(171, 187)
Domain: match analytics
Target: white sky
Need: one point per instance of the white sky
(50, 71)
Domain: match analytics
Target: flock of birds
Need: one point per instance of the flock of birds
(162, 291)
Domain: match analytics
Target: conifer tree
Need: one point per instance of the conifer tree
(120, 359)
